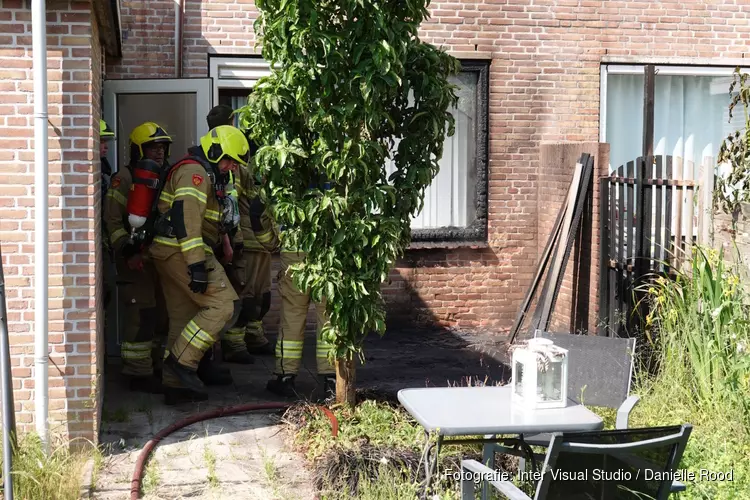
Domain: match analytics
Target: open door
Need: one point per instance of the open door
(178, 105)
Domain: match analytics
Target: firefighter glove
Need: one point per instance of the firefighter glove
(198, 277)
(129, 249)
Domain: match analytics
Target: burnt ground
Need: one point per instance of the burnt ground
(230, 456)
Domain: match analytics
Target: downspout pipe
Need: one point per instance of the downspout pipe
(179, 23)
(41, 221)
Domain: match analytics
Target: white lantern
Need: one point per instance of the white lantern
(540, 375)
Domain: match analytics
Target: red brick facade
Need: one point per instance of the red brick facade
(75, 319)
(544, 86)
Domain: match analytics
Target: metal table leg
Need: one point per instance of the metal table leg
(430, 459)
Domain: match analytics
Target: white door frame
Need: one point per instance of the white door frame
(201, 87)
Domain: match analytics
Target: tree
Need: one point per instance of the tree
(351, 88)
(733, 189)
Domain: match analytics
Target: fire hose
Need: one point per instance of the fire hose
(135, 483)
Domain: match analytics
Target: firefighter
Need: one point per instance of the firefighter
(251, 272)
(294, 306)
(105, 135)
(194, 215)
(249, 267)
(139, 291)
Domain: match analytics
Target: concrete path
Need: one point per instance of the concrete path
(248, 456)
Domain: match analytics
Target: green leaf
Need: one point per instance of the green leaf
(339, 237)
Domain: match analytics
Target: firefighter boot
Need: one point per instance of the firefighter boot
(210, 372)
(329, 388)
(282, 385)
(149, 385)
(239, 357)
(187, 376)
(176, 396)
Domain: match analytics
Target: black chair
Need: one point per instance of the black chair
(613, 465)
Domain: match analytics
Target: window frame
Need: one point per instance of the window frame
(474, 233)
(638, 68)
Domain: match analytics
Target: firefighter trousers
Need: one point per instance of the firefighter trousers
(251, 278)
(294, 307)
(196, 320)
(146, 322)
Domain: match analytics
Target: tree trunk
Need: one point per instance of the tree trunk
(345, 382)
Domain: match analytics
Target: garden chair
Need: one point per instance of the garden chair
(600, 372)
(618, 464)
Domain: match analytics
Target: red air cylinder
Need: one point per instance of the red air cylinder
(145, 187)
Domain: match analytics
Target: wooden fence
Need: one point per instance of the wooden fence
(653, 210)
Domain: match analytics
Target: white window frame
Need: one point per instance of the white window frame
(236, 72)
(201, 87)
(639, 69)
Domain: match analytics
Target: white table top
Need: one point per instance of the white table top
(467, 411)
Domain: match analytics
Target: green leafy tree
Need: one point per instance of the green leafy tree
(733, 189)
(352, 88)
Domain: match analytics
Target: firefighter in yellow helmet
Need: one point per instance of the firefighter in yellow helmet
(139, 292)
(249, 264)
(194, 216)
(251, 271)
(105, 135)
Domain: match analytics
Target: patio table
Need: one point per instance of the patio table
(451, 412)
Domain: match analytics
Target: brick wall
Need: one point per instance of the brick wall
(74, 306)
(544, 87)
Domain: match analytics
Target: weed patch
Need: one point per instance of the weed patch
(377, 454)
(55, 476)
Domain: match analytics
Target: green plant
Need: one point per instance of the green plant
(702, 332)
(57, 475)
(699, 332)
(734, 189)
(352, 88)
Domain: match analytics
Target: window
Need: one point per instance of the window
(691, 116)
(455, 204)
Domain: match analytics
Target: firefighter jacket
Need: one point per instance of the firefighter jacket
(115, 209)
(266, 240)
(191, 204)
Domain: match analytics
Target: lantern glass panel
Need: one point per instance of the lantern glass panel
(518, 386)
(549, 382)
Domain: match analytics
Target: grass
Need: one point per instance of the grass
(699, 372)
(151, 477)
(55, 476)
(376, 454)
(272, 473)
(120, 415)
(210, 458)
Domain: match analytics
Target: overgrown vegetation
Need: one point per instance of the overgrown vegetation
(36, 476)
(699, 329)
(733, 189)
(377, 454)
(352, 88)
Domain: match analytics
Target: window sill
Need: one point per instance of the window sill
(447, 245)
